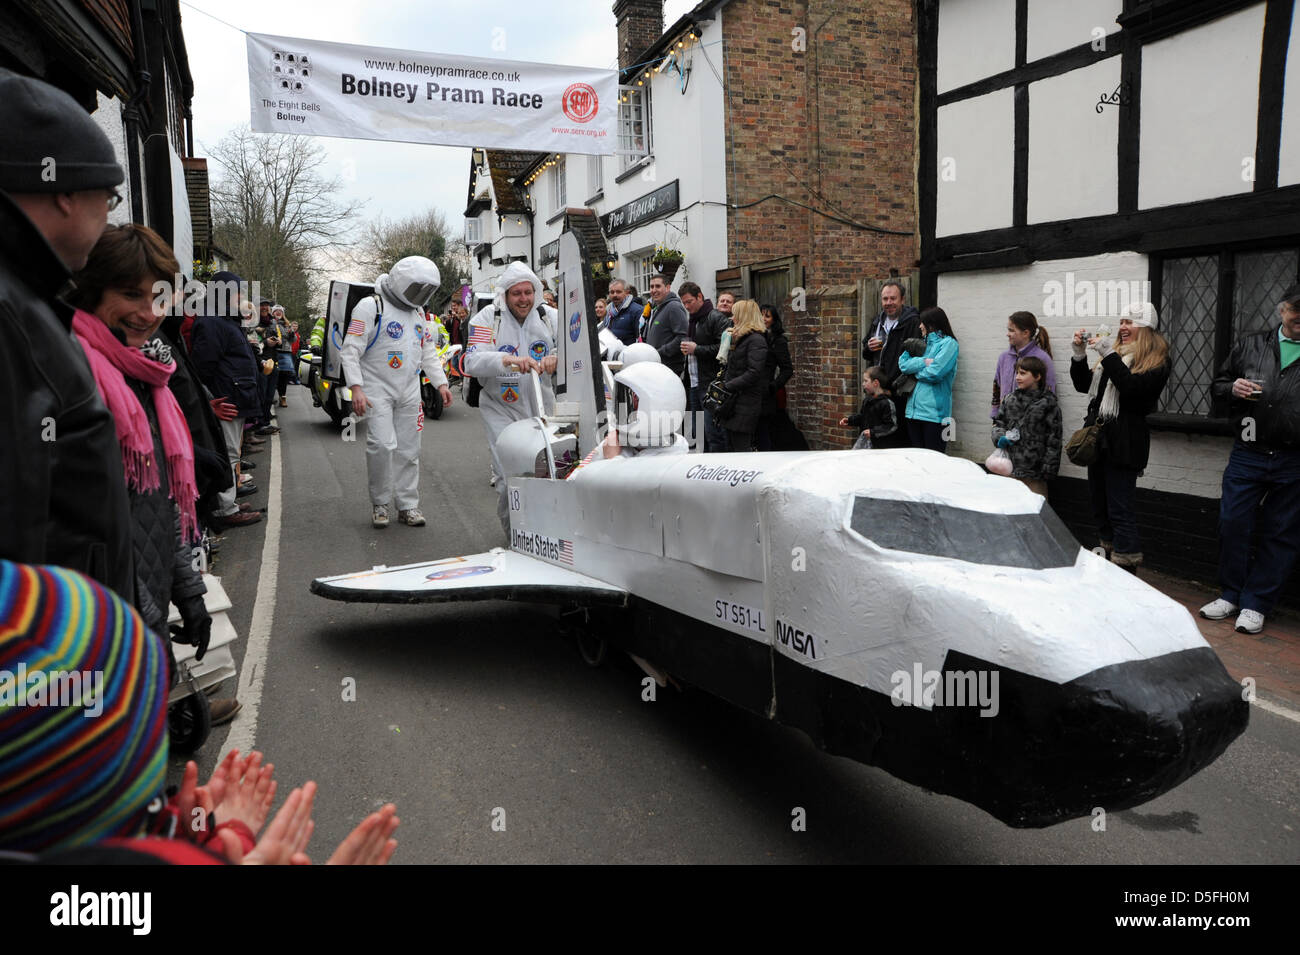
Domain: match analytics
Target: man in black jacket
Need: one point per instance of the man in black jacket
(227, 368)
(1261, 484)
(884, 342)
(665, 328)
(704, 330)
(62, 494)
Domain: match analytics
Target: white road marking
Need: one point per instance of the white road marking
(1278, 710)
(243, 731)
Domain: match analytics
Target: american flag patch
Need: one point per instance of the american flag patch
(566, 552)
(480, 335)
(356, 327)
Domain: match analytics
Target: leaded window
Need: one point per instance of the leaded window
(1207, 302)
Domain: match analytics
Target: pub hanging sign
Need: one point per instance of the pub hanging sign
(652, 205)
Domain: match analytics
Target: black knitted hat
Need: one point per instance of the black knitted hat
(51, 143)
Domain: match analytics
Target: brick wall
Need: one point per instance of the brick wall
(831, 126)
(837, 118)
(639, 22)
(824, 347)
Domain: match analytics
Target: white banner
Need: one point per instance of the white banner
(359, 92)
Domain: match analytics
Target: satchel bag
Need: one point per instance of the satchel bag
(1084, 445)
(719, 400)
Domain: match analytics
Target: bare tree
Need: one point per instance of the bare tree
(276, 212)
(425, 233)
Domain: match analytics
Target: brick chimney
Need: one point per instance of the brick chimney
(640, 24)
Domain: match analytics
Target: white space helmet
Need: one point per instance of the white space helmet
(411, 281)
(521, 447)
(610, 346)
(639, 352)
(661, 404)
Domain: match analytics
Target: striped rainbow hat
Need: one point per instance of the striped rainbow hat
(83, 711)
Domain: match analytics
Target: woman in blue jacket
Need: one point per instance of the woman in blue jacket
(930, 406)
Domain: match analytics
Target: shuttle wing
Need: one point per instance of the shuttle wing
(497, 575)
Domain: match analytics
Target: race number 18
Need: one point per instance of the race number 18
(514, 499)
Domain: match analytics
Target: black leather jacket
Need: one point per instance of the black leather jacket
(706, 331)
(1277, 412)
(62, 495)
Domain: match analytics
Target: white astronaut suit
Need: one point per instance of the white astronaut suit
(383, 355)
(494, 333)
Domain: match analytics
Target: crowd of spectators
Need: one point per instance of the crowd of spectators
(122, 446)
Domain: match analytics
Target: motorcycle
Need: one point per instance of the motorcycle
(336, 399)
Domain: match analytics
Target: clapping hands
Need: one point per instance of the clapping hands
(242, 790)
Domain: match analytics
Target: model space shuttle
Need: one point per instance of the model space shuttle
(903, 608)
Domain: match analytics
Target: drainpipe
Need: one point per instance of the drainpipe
(131, 114)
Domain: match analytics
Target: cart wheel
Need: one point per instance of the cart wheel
(432, 399)
(592, 648)
(336, 408)
(189, 721)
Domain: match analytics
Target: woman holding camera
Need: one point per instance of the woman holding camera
(1123, 388)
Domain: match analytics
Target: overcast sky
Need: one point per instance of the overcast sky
(395, 179)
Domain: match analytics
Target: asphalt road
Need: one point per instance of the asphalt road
(470, 714)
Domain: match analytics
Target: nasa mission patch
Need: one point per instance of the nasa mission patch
(538, 349)
(394, 359)
(394, 330)
(458, 572)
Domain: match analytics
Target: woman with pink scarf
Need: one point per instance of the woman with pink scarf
(120, 297)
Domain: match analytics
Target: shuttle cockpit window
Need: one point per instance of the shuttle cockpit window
(1035, 541)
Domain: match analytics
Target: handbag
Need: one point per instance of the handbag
(1084, 445)
(719, 400)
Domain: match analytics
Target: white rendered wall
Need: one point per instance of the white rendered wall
(688, 145)
(1200, 98)
(976, 151)
(1056, 25)
(182, 224)
(1072, 148)
(978, 304)
(108, 116)
(1288, 173)
(977, 38)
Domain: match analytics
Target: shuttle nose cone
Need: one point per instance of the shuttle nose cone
(1113, 738)
(1146, 726)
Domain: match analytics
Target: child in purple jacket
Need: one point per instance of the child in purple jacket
(1028, 340)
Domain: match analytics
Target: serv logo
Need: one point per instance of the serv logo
(580, 103)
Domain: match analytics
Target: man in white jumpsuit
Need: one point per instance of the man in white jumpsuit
(508, 339)
(388, 341)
